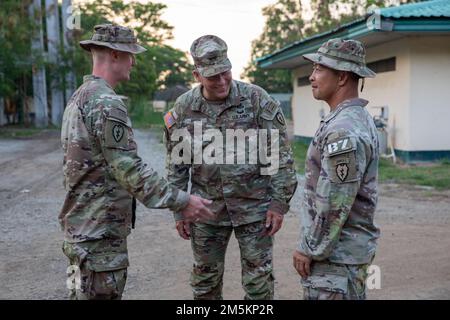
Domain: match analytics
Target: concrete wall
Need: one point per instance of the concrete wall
(392, 89)
(430, 93)
(305, 109)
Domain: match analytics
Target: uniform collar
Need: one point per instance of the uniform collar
(91, 77)
(233, 99)
(345, 104)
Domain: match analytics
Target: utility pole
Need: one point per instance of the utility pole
(2, 112)
(54, 45)
(39, 79)
(69, 23)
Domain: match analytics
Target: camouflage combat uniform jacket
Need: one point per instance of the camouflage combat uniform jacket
(340, 195)
(102, 169)
(240, 193)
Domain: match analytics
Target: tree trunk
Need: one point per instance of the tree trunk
(68, 27)
(2, 112)
(39, 79)
(54, 45)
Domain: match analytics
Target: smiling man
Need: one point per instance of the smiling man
(338, 238)
(103, 172)
(245, 201)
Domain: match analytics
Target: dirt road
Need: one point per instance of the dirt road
(413, 254)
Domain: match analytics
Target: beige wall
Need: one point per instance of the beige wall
(430, 93)
(422, 74)
(305, 109)
(392, 89)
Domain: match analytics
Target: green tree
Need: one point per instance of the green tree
(15, 50)
(286, 23)
(160, 66)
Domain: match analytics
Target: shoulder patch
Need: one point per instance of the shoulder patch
(170, 119)
(117, 114)
(342, 168)
(339, 146)
(270, 108)
(116, 134)
(340, 159)
(110, 96)
(280, 118)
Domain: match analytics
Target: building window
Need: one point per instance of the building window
(384, 65)
(303, 81)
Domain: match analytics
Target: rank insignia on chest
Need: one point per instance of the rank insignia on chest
(240, 109)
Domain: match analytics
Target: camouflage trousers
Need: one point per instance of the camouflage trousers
(209, 244)
(97, 269)
(332, 281)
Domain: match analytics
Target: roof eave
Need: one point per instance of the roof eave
(355, 30)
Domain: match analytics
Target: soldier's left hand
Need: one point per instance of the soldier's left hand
(274, 220)
(302, 264)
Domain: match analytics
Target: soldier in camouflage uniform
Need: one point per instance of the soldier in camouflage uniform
(244, 200)
(102, 172)
(338, 238)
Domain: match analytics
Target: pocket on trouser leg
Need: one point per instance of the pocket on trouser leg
(257, 276)
(100, 261)
(121, 279)
(261, 288)
(206, 281)
(105, 275)
(77, 279)
(326, 282)
(357, 281)
(107, 285)
(256, 261)
(320, 294)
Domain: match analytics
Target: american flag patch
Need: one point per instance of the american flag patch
(169, 119)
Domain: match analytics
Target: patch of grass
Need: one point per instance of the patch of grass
(300, 149)
(142, 115)
(435, 175)
(18, 132)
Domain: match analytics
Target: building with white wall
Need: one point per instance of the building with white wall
(408, 47)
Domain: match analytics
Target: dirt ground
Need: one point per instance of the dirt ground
(413, 253)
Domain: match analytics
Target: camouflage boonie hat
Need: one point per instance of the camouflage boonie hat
(210, 55)
(342, 55)
(114, 37)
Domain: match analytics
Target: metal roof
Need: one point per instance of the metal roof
(436, 8)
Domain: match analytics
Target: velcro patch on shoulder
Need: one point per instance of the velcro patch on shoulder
(340, 146)
(170, 118)
(117, 114)
(343, 168)
(270, 109)
(340, 158)
(110, 96)
(280, 118)
(116, 134)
